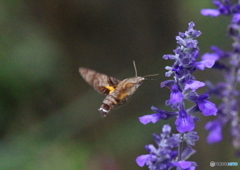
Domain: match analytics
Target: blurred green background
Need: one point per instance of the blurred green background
(48, 113)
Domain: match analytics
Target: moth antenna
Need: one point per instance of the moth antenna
(135, 68)
(151, 75)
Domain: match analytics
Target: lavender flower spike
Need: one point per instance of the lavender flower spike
(164, 156)
(168, 152)
(184, 85)
(228, 62)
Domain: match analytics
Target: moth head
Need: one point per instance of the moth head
(136, 81)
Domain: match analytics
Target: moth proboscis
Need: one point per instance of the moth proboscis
(117, 91)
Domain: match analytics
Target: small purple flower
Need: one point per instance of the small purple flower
(184, 122)
(236, 18)
(143, 159)
(220, 53)
(210, 12)
(160, 114)
(191, 137)
(176, 96)
(187, 152)
(193, 85)
(215, 131)
(149, 118)
(185, 165)
(169, 57)
(208, 60)
(208, 108)
(167, 83)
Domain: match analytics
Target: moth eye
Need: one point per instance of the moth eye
(129, 85)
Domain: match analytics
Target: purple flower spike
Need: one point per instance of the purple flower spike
(228, 90)
(170, 152)
(164, 156)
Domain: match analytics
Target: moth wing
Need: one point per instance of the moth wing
(102, 83)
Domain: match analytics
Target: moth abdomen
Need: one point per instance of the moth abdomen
(104, 109)
(108, 104)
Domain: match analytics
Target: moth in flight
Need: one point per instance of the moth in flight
(117, 91)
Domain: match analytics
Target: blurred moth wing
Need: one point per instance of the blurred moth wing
(102, 83)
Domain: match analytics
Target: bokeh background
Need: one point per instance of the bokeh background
(48, 113)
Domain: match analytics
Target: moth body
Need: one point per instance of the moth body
(120, 94)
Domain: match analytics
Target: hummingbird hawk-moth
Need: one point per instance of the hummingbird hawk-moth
(117, 91)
